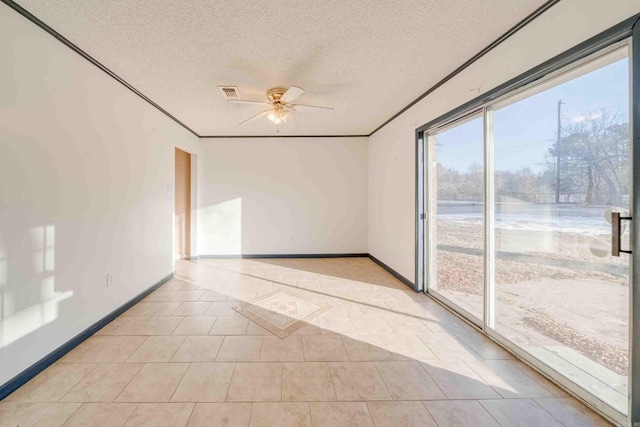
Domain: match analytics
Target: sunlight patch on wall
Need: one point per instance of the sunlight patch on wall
(221, 228)
(28, 299)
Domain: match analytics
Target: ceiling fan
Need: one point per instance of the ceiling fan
(280, 102)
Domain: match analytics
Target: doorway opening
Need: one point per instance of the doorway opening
(182, 208)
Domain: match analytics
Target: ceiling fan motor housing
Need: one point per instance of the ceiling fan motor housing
(275, 94)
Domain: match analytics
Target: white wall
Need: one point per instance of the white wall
(84, 170)
(392, 149)
(282, 196)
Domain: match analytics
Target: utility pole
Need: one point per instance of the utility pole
(558, 152)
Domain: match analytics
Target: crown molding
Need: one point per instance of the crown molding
(280, 136)
(520, 25)
(536, 13)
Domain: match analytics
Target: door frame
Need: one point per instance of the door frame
(629, 33)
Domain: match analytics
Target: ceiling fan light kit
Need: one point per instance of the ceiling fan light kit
(280, 102)
(279, 114)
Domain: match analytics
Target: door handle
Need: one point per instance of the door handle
(616, 239)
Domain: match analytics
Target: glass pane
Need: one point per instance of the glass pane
(560, 295)
(458, 191)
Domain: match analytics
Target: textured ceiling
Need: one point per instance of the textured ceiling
(367, 59)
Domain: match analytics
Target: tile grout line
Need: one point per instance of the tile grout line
(484, 379)
(211, 328)
(490, 414)
(218, 350)
(550, 414)
(226, 396)
(184, 374)
(459, 341)
(129, 382)
(250, 413)
(310, 412)
(529, 371)
(74, 385)
(281, 382)
(333, 386)
(366, 405)
(345, 348)
(131, 414)
(383, 382)
(420, 363)
(184, 338)
(125, 362)
(224, 338)
(304, 356)
(191, 414)
(424, 403)
(70, 415)
(146, 337)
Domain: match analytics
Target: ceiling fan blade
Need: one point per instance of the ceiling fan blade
(303, 107)
(291, 94)
(247, 101)
(254, 117)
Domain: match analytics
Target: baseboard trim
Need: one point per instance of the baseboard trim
(258, 256)
(33, 370)
(390, 270)
(394, 273)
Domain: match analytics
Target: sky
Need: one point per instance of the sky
(524, 131)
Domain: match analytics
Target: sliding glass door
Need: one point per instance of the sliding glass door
(457, 193)
(528, 205)
(560, 295)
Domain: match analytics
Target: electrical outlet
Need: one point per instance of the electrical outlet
(109, 280)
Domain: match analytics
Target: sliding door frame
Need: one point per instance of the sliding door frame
(428, 140)
(634, 309)
(489, 222)
(626, 32)
(421, 212)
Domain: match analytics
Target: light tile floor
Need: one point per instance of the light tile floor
(383, 355)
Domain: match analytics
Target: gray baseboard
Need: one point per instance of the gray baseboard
(394, 273)
(258, 256)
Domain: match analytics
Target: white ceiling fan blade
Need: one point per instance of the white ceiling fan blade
(247, 101)
(292, 93)
(303, 107)
(254, 117)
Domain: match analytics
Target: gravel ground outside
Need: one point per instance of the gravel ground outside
(461, 274)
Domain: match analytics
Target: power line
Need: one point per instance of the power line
(558, 151)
